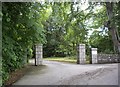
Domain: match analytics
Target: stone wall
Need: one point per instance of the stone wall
(107, 58)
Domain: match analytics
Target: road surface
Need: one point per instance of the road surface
(58, 73)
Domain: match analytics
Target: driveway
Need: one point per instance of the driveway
(58, 73)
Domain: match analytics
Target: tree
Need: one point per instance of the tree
(21, 29)
(112, 16)
(111, 26)
(65, 28)
(101, 41)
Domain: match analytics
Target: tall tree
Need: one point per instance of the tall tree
(111, 25)
(21, 28)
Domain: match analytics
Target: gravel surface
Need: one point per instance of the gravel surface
(58, 73)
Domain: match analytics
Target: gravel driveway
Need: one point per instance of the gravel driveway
(58, 73)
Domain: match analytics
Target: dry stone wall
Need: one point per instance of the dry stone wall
(108, 58)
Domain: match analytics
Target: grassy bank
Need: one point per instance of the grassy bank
(63, 59)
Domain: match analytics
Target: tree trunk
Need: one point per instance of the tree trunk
(111, 26)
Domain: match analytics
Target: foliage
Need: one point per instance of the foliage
(64, 30)
(101, 37)
(22, 28)
(102, 42)
(117, 17)
(68, 26)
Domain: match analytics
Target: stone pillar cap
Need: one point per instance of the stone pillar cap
(94, 48)
(81, 44)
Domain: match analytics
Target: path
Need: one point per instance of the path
(57, 73)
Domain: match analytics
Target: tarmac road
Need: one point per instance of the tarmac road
(58, 73)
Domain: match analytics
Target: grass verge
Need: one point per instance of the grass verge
(64, 59)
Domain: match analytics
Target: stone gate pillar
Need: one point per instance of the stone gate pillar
(38, 54)
(81, 54)
(94, 55)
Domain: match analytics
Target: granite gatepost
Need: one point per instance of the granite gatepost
(94, 55)
(81, 54)
(38, 54)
